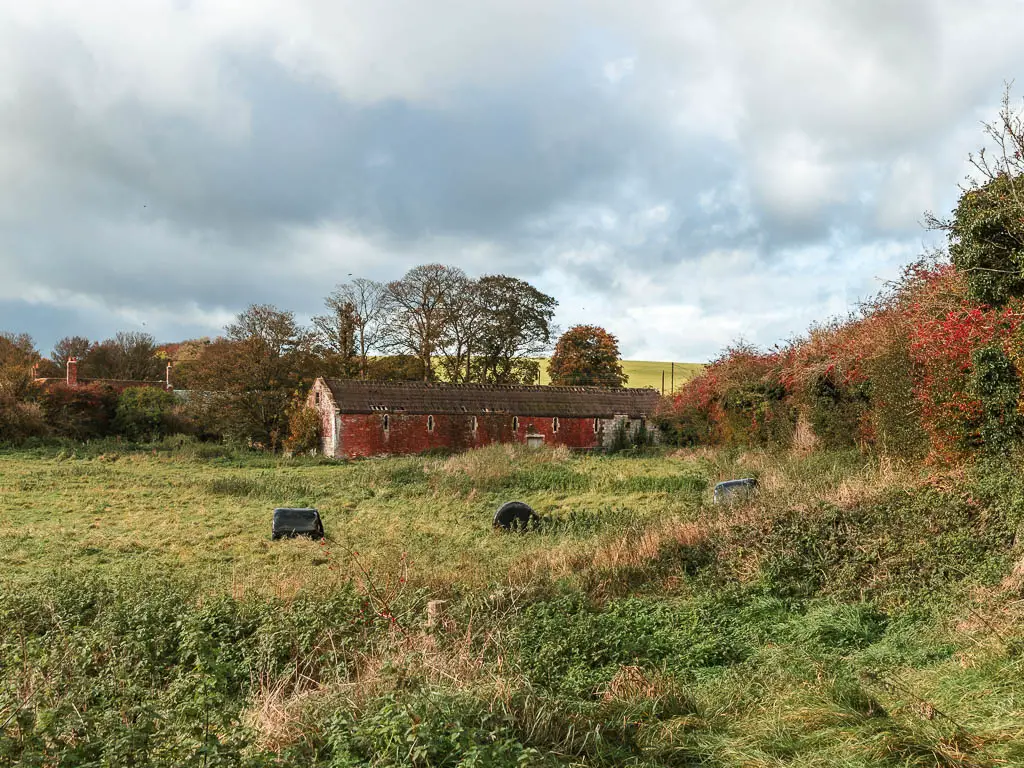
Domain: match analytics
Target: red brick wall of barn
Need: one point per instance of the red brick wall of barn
(364, 434)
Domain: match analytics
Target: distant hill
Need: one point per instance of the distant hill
(647, 373)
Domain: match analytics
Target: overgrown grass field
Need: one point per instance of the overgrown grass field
(853, 613)
(210, 517)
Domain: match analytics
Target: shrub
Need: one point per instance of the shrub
(895, 411)
(836, 412)
(429, 728)
(20, 420)
(737, 400)
(943, 352)
(573, 648)
(81, 413)
(899, 546)
(144, 413)
(303, 429)
(996, 383)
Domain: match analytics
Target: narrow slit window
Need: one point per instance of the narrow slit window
(554, 424)
(430, 423)
(515, 423)
(387, 422)
(316, 398)
(597, 424)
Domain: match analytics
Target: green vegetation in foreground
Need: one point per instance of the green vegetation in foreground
(851, 615)
(646, 373)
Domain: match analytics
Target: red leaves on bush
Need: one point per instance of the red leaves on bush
(927, 312)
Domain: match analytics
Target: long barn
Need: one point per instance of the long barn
(373, 418)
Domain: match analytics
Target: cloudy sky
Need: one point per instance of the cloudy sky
(682, 173)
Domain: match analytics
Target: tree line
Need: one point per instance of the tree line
(434, 323)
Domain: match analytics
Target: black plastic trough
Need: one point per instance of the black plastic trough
(297, 521)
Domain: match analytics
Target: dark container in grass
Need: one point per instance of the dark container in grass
(735, 490)
(515, 516)
(296, 521)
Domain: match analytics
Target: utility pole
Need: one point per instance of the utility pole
(673, 378)
(662, 382)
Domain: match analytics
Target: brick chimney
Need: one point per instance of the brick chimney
(72, 371)
(168, 379)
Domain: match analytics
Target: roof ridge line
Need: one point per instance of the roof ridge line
(487, 387)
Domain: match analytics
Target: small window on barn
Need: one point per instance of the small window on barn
(430, 423)
(554, 424)
(515, 423)
(597, 425)
(387, 422)
(316, 397)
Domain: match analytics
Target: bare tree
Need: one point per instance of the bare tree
(418, 311)
(130, 355)
(463, 330)
(355, 316)
(68, 347)
(273, 329)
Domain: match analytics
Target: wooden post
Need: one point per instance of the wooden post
(673, 377)
(435, 612)
(663, 383)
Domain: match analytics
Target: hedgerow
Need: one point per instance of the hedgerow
(920, 369)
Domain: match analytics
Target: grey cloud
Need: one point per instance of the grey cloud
(623, 148)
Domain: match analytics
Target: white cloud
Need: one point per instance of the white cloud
(686, 171)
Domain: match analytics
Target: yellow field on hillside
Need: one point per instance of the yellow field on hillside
(646, 373)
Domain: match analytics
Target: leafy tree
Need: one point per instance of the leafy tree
(17, 356)
(986, 232)
(515, 327)
(587, 355)
(19, 419)
(242, 385)
(180, 354)
(418, 310)
(986, 240)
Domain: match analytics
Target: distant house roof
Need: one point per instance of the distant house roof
(356, 396)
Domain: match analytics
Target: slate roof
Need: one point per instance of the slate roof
(417, 397)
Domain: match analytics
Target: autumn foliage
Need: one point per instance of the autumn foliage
(587, 355)
(921, 369)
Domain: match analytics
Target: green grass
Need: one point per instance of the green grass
(646, 373)
(852, 613)
(210, 518)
